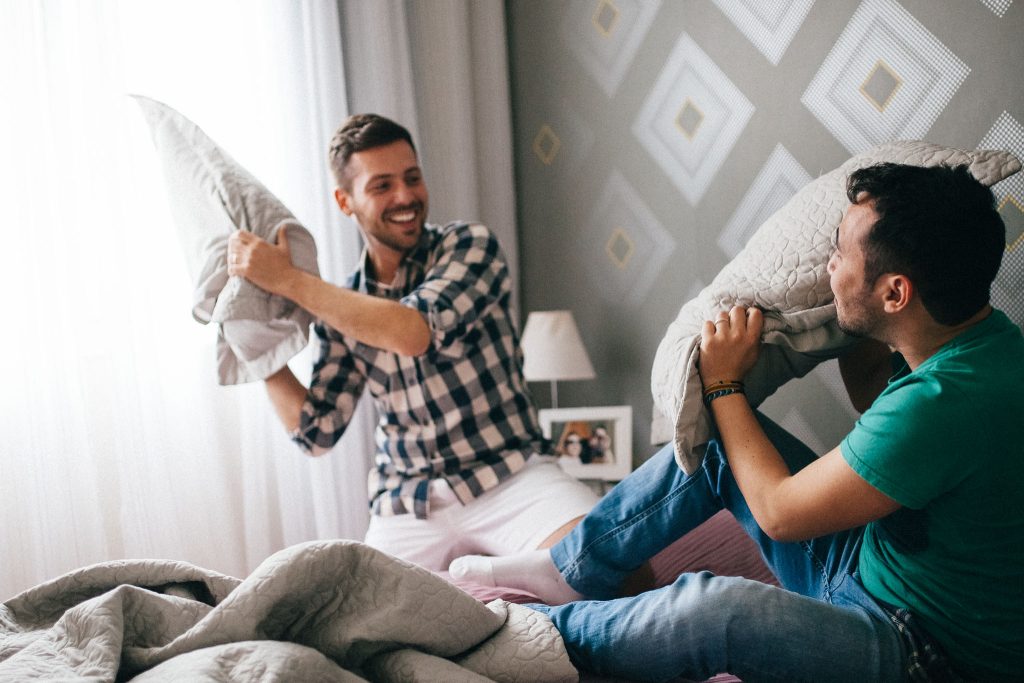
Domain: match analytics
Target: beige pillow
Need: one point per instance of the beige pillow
(211, 195)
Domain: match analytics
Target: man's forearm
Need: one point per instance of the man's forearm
(287, 396)
(374, 321)
(756, 464)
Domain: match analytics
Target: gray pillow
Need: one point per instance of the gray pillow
(210, 196)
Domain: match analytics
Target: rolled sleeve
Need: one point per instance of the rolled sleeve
(469, 277)
(333, 394)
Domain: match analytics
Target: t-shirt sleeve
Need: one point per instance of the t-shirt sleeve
(470, 276)
(912, 444)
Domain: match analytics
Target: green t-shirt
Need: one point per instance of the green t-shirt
(946, 441)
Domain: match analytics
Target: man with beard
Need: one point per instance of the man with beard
(901, 551)
(425, 325)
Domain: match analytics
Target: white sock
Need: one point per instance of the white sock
(532, 571)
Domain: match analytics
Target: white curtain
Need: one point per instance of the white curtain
(115, 440)
(441, 68)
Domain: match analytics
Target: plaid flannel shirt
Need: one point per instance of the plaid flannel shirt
(926, 661)
(459, 411)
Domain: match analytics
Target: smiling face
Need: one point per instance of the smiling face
(846, 268)
(387, 196)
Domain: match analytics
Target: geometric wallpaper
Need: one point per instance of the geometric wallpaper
(605, 36)
(691, 119)
(770, 26)
(1007, 133)
(652, 138)
(887, 78)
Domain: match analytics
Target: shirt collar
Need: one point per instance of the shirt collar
(410, 269)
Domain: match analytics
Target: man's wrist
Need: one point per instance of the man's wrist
(292, 285)
(720, 389)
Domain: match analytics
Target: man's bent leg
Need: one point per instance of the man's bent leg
(560, 533)
(534, 505)
(814, 568)
(702, 625)
(426, 542)
(516, 522)
(658, 504)
(644, 513)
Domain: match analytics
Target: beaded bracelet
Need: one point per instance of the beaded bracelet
(735, 383)
(720, 389)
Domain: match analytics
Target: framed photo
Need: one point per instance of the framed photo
(591, 443)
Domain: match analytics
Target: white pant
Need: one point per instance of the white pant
(516, 515)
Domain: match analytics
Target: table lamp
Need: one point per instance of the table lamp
(553, 350)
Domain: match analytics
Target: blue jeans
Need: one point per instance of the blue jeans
(823, 626)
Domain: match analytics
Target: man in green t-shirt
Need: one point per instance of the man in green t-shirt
(901, 551)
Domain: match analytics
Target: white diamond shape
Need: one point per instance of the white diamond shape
(1007, 291)
(770, 26)
(780, 178)
(621, 210)
(607, 55)
(690, 74)
(999, 7)
(1006, 133)
(1008, 285)
(930, 74)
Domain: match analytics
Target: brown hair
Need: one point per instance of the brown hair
(358, 133)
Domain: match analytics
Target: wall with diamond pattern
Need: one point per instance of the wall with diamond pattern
(653, 137)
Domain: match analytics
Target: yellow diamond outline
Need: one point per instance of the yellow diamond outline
(689, 103)
(619, 233)
(1012, 200)
(556, 144)
(607, 33)
(881, 64)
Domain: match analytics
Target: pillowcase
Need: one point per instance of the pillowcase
(210, 196)
(783, 271)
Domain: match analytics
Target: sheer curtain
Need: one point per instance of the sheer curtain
(441, 68)
(115, 440)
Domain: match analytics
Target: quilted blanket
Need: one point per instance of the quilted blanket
(320, 611)
(782, 270)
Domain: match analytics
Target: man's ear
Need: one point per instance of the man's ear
(898, 292)
(344, 200)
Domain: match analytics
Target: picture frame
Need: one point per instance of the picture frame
(576, 433)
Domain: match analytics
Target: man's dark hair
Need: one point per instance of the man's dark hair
(938, 226)
(359, 133)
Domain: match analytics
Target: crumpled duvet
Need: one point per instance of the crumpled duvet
(781, 270)
(319, 611)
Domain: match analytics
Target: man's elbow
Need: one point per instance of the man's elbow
(781, 527)
(413, 345)
(782, 534)
(416, 339)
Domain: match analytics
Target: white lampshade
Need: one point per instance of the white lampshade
(553, 349)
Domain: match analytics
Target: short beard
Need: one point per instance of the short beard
(864, 327)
